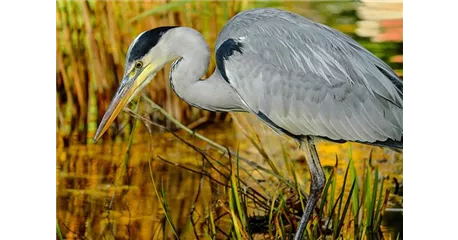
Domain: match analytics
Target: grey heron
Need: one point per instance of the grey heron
(301, 78)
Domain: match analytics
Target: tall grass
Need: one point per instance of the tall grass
(92, 40)
(353, 210)
(335, 218)
(58, 232)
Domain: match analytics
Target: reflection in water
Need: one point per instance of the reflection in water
(90, 183)
(95, 198)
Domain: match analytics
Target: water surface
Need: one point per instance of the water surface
(100, 197)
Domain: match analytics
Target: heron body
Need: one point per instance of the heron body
(301, 78)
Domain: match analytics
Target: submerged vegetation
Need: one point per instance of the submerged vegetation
(226, 195)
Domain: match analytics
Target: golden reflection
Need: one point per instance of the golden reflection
(95, 199)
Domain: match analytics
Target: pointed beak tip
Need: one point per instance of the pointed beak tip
(96, 137)
(98, 133)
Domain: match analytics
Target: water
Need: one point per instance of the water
(95, 199)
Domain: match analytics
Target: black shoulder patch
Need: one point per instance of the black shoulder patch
(224, 52)
(146, 41)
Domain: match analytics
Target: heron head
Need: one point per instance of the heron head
(147, 54)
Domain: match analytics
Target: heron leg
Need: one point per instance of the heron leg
(316, 187)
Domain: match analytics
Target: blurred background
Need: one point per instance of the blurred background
(117, 188)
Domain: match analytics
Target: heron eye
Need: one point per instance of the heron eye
(138, 64)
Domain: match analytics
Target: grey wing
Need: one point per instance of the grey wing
(304, 78)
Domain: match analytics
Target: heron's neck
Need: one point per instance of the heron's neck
(212, 94)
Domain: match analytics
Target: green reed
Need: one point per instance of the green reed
(357, 205)
(58, 232)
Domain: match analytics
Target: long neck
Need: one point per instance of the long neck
(193, 54)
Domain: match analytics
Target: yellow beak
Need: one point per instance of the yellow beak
(130, 86)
